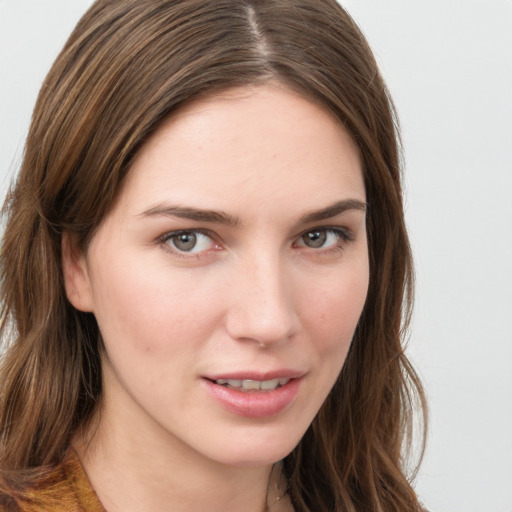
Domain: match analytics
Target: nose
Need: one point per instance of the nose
(262, 308)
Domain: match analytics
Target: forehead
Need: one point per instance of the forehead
(263, 144)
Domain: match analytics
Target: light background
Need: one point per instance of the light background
(448, 64)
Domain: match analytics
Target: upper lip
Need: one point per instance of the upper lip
(255, 375)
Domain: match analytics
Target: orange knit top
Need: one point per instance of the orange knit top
(65, 489)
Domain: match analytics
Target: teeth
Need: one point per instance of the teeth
(269, 384)
(252, 385)
(230, 382)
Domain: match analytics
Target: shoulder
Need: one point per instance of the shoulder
(63, 488)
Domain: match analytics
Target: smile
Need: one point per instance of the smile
(252, 385)
(261, 397)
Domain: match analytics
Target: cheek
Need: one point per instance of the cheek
(149, 309)
(330, 313)
(334, 311)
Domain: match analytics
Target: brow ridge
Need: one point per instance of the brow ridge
(221, 217)
(197, 214)
(334, 209)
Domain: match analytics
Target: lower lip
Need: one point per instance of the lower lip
(254, 404)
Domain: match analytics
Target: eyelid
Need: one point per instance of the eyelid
(343, 234)
(169, 234)
(163, 239)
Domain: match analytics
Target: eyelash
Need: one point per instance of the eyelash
(165, 239)
(343, 235)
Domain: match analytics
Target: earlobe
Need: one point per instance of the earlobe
(76, 275)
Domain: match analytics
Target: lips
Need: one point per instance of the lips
(254, 395)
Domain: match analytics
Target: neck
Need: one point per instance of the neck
(139, 469)
(130, 478)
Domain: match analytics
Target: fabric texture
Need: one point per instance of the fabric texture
(65, 489)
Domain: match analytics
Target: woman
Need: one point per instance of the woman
(204, 269)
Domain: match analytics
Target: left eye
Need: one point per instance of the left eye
(189, 241)
(321, 238)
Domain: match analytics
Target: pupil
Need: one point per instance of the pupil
(185, 241)
(315, 239)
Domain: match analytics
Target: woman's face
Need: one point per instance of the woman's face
(229, 277)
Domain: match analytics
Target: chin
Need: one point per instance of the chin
(248, 460)
(255, 449)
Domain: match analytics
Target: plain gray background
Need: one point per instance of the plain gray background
(448, 64)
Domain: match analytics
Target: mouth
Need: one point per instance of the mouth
(255, 395)
(248, 385)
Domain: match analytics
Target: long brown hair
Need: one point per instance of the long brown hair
(126, 67)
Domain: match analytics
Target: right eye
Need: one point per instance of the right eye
(188, 242)
(326, 239)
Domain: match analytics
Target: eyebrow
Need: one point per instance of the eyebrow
(198, 214)
(333, 210)
(221, 217)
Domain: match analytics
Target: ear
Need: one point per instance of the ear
(76, 274)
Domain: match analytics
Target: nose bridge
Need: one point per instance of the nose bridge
(262, 308)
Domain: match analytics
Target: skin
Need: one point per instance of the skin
(253, 295)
